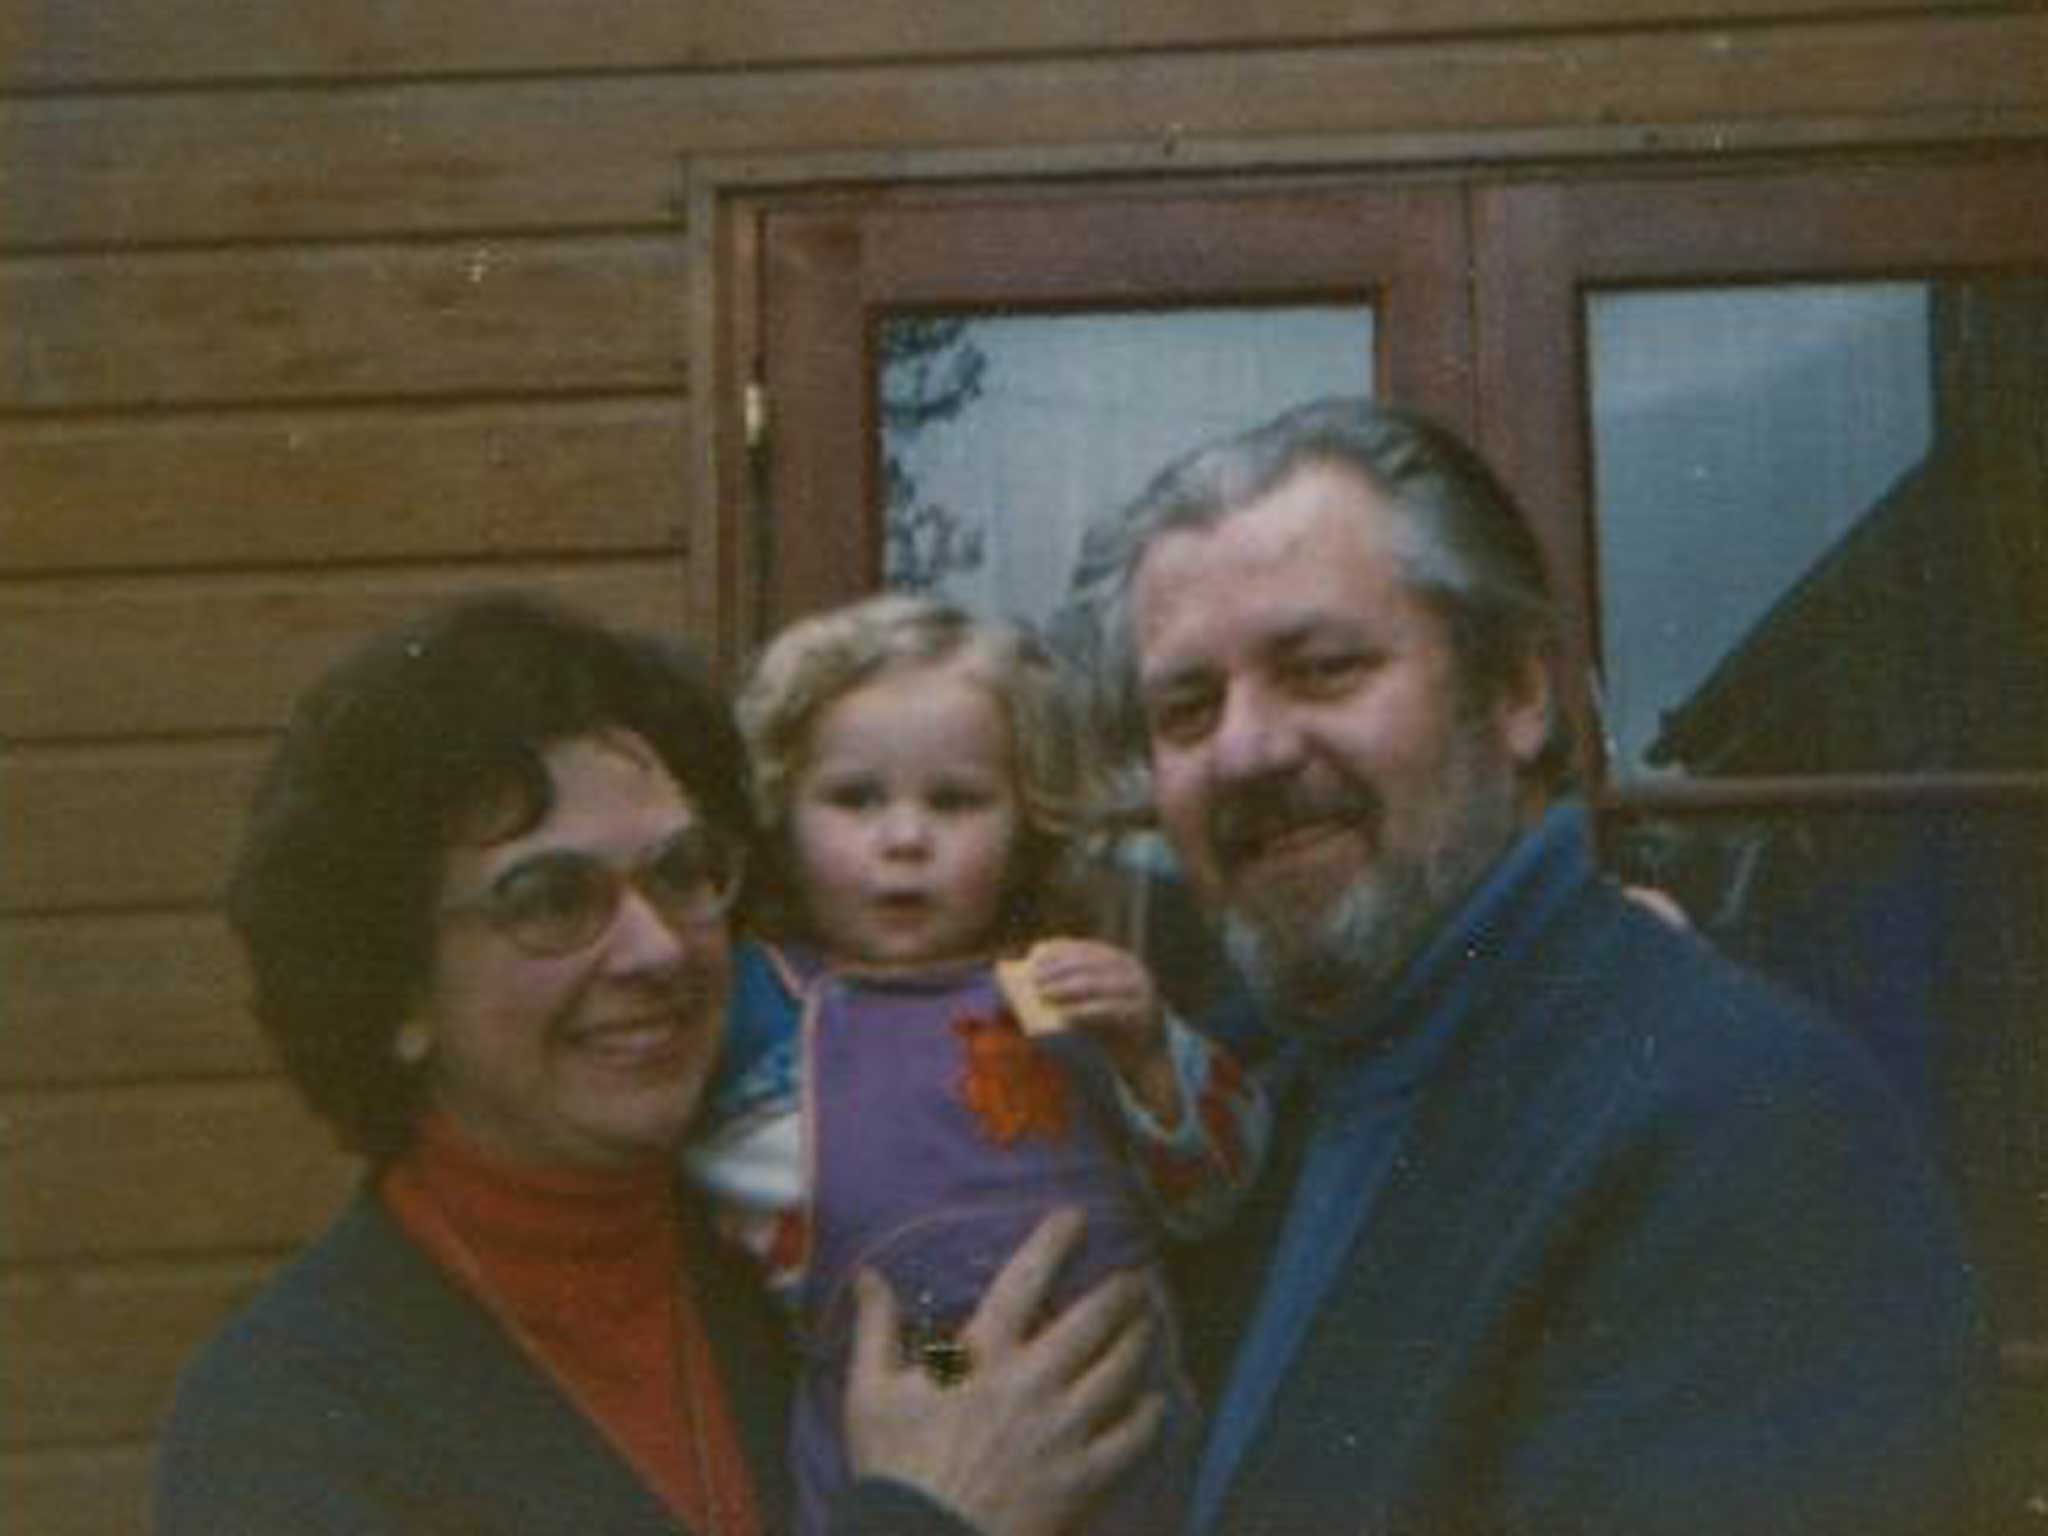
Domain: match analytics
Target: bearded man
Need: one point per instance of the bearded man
(1586, 1229)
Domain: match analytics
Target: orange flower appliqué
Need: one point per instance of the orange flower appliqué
(1014, 1088)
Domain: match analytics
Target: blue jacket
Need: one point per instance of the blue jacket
(1596, 1232)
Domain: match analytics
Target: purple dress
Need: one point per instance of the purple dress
(941, 1135)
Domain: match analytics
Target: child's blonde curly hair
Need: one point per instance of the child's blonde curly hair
(819, 660)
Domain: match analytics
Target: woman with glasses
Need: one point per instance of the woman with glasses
(487, 892)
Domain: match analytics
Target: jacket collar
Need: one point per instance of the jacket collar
(1391, 1043)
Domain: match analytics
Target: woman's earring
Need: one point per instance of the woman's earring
(412, 1043)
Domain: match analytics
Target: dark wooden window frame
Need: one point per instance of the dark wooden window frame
(812, 276)
(1477, 260)
(1543, 246)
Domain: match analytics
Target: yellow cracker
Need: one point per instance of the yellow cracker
(1034, 1014)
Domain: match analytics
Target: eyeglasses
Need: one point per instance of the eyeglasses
(557, 903)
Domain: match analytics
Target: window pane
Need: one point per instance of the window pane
(1002, 435)
(1823, 527)
(1924, 933)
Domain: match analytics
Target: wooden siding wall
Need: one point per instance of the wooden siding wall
(312, 313)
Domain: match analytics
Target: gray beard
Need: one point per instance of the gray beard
(1312, 969)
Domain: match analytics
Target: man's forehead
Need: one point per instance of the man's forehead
(1271, 578)
(1317, 511)
(1252, 632)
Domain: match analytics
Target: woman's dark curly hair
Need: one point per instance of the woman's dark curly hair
(404, 742)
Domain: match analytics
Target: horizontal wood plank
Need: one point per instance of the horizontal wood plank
(273, 326)
(113, 658)
(94, 1354)
(121, 827)
(608, 152)
(118, 1173)
(284, 488)
(96, 1491)
(122, 997)
(133, 41)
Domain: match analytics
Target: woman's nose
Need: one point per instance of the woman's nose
(641, 938)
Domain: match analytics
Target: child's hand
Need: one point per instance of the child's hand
(1108, 992)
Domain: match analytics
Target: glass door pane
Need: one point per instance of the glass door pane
(1002, 435)
(1925, 932)
(1784, 426)
(1821, 557)
(1822, 527)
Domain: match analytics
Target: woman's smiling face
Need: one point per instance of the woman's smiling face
(596, 1057)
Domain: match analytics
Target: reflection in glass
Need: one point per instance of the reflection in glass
(1923, 932)
(1823, 527)
(1002, 435)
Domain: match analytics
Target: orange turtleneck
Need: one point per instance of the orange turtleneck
(586, 1269)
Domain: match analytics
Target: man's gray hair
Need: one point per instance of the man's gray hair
(1467, 549)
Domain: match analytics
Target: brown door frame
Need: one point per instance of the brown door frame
(1540, 222)
(828, 272)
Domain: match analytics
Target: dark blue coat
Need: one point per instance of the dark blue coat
(361, 1392)
(1640, 1246)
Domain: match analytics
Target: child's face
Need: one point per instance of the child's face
(904, 818)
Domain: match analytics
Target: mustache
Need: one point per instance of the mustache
(1251, 815)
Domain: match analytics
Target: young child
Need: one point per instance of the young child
(884, 1101)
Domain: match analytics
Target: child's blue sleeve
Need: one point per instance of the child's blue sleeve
(761, 1028)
